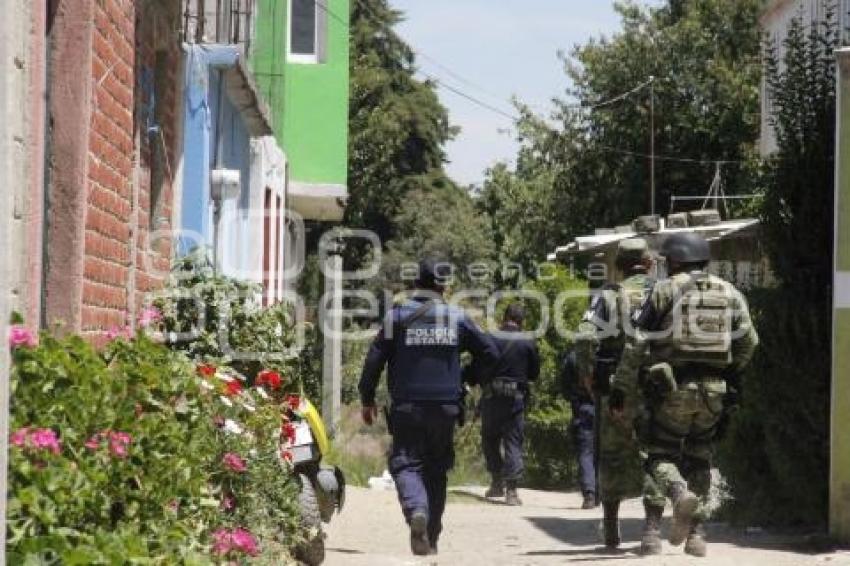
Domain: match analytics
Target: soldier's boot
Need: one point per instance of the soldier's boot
(685, 504)
(611, 523)
(589, 501)
(496, 489)
(511, 496)
(695, 545)
(419, 543)
(650, 540)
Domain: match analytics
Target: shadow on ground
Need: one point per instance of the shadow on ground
(586, 532)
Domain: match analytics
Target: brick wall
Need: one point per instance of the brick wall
(131, 141)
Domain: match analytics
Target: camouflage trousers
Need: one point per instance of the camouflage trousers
(679, 437)
(622, 471)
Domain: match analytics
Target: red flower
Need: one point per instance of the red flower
(206, 370)
(293, 401)
(233, 388)
(270, 378)
(287, 430)
(286, 455)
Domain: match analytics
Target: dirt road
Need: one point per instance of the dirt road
(549, 529)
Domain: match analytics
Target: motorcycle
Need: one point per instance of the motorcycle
(305, 442)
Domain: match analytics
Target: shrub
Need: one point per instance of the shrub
(218, 318)
(550, 461)
(126, 454)
(133, 435)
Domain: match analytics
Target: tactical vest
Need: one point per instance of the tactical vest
(697, 327)
(425, 365)
(627, 297)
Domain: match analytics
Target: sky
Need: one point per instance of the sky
(493, 50)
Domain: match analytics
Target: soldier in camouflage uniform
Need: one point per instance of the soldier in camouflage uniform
(679, 380)
(598, 347)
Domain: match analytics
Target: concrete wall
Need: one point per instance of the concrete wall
(839, 485)
(22, 43)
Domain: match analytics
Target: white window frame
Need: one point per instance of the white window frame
(305, 58)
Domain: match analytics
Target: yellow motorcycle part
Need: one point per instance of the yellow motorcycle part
(317, 425)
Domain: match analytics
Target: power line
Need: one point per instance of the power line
(514, 118)
(470, 98)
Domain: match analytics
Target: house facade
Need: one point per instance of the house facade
(300, 59)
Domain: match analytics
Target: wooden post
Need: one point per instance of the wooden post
(839, 483)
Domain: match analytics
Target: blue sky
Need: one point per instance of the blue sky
(497, 49)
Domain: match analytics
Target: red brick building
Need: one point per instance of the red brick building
(112, 102)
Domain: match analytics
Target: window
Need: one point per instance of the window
(307, 24)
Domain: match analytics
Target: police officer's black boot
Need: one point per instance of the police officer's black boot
(695, 545)
(511, 496)
(496, 489)
(685, 504)
(611, 523)
(419, 543)
(650, 541)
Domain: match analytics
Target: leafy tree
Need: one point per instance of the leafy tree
(778, 459)
(397, 124)
(704, 55)
(441, 221)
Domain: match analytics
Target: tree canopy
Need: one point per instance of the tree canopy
(587, 164)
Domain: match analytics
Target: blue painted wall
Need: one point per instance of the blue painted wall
(214, 136)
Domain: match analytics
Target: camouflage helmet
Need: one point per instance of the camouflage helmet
(631, 251)
(686, 247)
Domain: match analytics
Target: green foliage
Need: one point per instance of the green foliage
(704, 55)
(777, 460)
(439, 222)
(397, 126)
(88, 506)
(218, 318)
(550, 450)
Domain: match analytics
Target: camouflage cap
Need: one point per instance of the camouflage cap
(632, 251)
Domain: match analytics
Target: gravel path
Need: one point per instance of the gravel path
(549, 528)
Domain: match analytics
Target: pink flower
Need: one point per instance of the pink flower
(115, 333)
(46, 438)
(19, 437)
(173, 505)
(225, 541)
(245, 541)
(222, 542)
(20, 336)
(234, 462)
(149, 316)
(118, 443)
(41, 439)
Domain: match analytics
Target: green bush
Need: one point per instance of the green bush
(218, 318)
(119, 455)
(89, 504)
(550, 461)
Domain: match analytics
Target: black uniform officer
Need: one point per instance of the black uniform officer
(582, 428)
(421, 342)
(505, 391)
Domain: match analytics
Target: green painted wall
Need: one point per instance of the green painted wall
(308, 102)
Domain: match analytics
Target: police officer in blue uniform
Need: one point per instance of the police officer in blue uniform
(505, 393)
(421, 342)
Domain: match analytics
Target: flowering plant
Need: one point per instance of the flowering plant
(20, 336)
